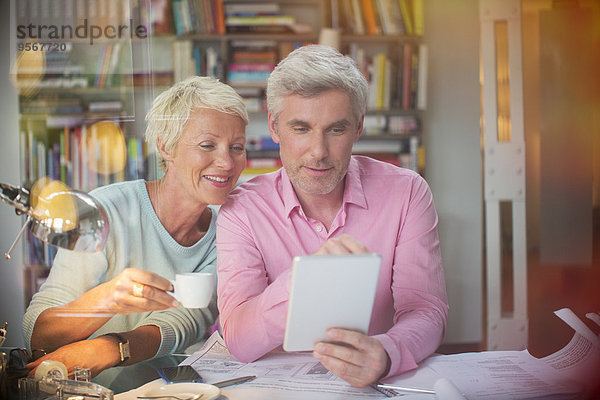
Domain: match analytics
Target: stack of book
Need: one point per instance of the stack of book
(262, 156)
(257, 18)
(254, 98)
(251, 62)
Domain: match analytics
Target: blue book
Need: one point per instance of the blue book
(178, 17)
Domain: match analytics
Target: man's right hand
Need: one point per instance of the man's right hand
(343, 244)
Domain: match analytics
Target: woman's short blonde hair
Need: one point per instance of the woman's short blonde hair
(171, 109)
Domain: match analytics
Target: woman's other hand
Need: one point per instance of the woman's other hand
(95, 354)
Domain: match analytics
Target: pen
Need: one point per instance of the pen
(386, 392)
(405, 389)
(234, 381)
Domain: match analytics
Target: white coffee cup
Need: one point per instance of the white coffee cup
(194, 289)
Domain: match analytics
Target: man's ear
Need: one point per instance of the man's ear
(273, 129)
(359, 128)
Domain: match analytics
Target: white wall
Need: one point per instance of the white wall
(453, 163)
(12, 303)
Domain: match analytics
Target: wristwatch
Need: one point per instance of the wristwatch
(123, 347)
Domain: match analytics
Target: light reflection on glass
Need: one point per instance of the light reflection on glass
(29, 69)
(106, 148)
(53, 205)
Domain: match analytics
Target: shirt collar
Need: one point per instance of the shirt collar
(353, 190)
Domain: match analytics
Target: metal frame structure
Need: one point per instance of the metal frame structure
(504, 175)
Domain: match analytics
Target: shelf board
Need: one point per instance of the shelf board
(79, 90)
(388, 136)
(84, 116)
(394, 111)
(347, 38)
(280, 37)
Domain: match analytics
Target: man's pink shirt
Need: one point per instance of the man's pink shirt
(262, 227)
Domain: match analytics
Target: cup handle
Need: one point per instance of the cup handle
(174, 292)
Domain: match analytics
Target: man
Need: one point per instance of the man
(326, 201)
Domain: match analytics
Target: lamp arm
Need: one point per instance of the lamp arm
(16, 196)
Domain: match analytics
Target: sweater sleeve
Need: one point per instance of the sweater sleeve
(72, 274)
(182, 327)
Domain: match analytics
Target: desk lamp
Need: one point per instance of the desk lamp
(58, 215)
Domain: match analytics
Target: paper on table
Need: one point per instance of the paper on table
(497, 375)
(579, 360)
(517, 374)
(278, 374)
(574, 322)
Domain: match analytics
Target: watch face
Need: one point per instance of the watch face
(124, 349)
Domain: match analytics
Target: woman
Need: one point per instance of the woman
(94, 306)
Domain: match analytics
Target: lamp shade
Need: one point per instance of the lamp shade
(60, 216)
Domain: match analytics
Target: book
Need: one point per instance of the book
(259, 29)
(251, 8)
(422, 78)
(403, 124)
(177, 17)
(380, 70)
(407, 16)
(247, 77)
(418, 17)
(260, 20)
(357, 12)
(208, 16)
(374, 124)
(385, 14)
(250, 66)
(407, 52)
(161, 17)
(371, 24)
(219, 17)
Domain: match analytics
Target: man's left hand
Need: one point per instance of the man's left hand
(356, 358)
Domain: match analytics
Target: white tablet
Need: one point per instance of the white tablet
(332, 291)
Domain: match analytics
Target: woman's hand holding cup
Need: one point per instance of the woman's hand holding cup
(135, 290)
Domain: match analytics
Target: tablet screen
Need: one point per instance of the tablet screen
(329, 291)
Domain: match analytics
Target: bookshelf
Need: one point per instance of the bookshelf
(65, 93)
(82, 71)
(248, 38)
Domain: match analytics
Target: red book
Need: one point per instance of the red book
(220, 17)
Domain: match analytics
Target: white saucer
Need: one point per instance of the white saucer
(184, 390)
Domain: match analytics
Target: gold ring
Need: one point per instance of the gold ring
(138, 289)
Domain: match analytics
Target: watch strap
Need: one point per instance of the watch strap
(123, 347)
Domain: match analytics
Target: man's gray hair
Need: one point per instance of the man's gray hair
(313, 69)
(172, 108)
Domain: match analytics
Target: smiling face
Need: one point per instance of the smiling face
(316, 135)
(209, 157)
